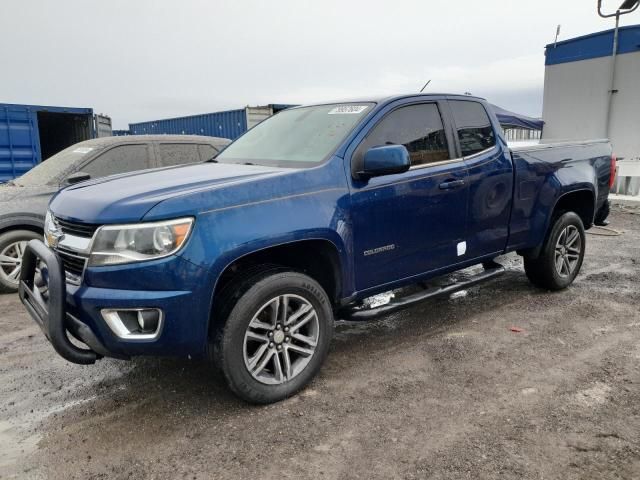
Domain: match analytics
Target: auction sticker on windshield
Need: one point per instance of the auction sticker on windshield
(348, 109)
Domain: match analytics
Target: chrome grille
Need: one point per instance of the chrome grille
(85, 230)
(74, 265)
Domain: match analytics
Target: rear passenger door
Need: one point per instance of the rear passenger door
(172, 154)
(410, 223)
(120, 159)
(490, 173)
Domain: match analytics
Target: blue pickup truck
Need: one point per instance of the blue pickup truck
(248, 258)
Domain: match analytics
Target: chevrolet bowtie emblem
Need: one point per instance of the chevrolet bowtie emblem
(54, 237)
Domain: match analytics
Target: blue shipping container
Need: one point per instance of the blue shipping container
(120, 133)
(32, 133)
(228, 124)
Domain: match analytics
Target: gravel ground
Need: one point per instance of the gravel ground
(445, 389)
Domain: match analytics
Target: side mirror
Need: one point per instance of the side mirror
(77, 178)
(384, 160)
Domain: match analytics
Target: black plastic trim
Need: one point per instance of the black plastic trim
(491, 270)
(51, 316)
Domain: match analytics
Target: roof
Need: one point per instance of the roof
(391, 98)
(505, 117)
(594, 45)
(107, 141)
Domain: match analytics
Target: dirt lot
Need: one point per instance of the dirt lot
(443, 390)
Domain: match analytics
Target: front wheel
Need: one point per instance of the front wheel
(12, 246)
(562, 255)
(276, 336)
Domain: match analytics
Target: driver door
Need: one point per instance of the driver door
(411, 223)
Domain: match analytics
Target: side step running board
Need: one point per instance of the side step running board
(491, 270)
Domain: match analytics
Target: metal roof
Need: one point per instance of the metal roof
(594, 45)
(47, 108)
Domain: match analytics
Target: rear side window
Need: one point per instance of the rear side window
(121, 159)
(474, 127)
(417, 127)
(178, 154)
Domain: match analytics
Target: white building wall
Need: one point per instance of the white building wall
(576, 96)
(255, 115)
(625, 122)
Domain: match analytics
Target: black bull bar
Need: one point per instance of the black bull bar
(47, 306)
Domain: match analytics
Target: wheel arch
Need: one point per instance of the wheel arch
(22, 223)
(581, 200)
(319, 257)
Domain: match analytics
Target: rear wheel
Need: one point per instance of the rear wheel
(12, 246)
(276, 336)
(602, 215)
(561, 257)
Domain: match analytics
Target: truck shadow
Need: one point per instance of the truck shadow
(173, 399)
(195, 385)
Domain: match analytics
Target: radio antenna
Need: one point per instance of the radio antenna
(425, 86)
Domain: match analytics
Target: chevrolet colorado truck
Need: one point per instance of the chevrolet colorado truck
(248, 259)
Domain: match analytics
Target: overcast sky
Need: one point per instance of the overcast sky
(142, 60)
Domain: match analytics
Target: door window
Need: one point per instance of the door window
(121, 159)
(474, 127)
(178, 154)
(418, 127)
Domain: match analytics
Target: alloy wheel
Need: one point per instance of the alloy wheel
(567, 251)
(11, 261)
(281, 339)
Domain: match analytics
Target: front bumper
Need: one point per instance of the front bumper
(62, 309)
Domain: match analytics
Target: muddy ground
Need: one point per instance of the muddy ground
(445, 389)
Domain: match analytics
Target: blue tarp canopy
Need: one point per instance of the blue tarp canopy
(514, 120)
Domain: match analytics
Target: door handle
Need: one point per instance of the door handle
(451, 184)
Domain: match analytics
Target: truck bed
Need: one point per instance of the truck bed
(559, 167)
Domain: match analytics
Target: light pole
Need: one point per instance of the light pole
(628, 6)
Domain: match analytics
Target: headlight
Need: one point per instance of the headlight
(52, 232)
(116, 244)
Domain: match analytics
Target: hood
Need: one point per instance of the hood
(127, 198)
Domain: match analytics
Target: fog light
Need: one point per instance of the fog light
(134, 323)
(148, 320)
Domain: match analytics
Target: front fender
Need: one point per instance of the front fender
(223, 236)
(262, 244)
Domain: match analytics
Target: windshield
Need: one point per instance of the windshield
(52, 170)
(297, 137)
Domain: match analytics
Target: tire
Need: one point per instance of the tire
(12, 245)
(602, 215)
(248, 345)
(561, 257)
